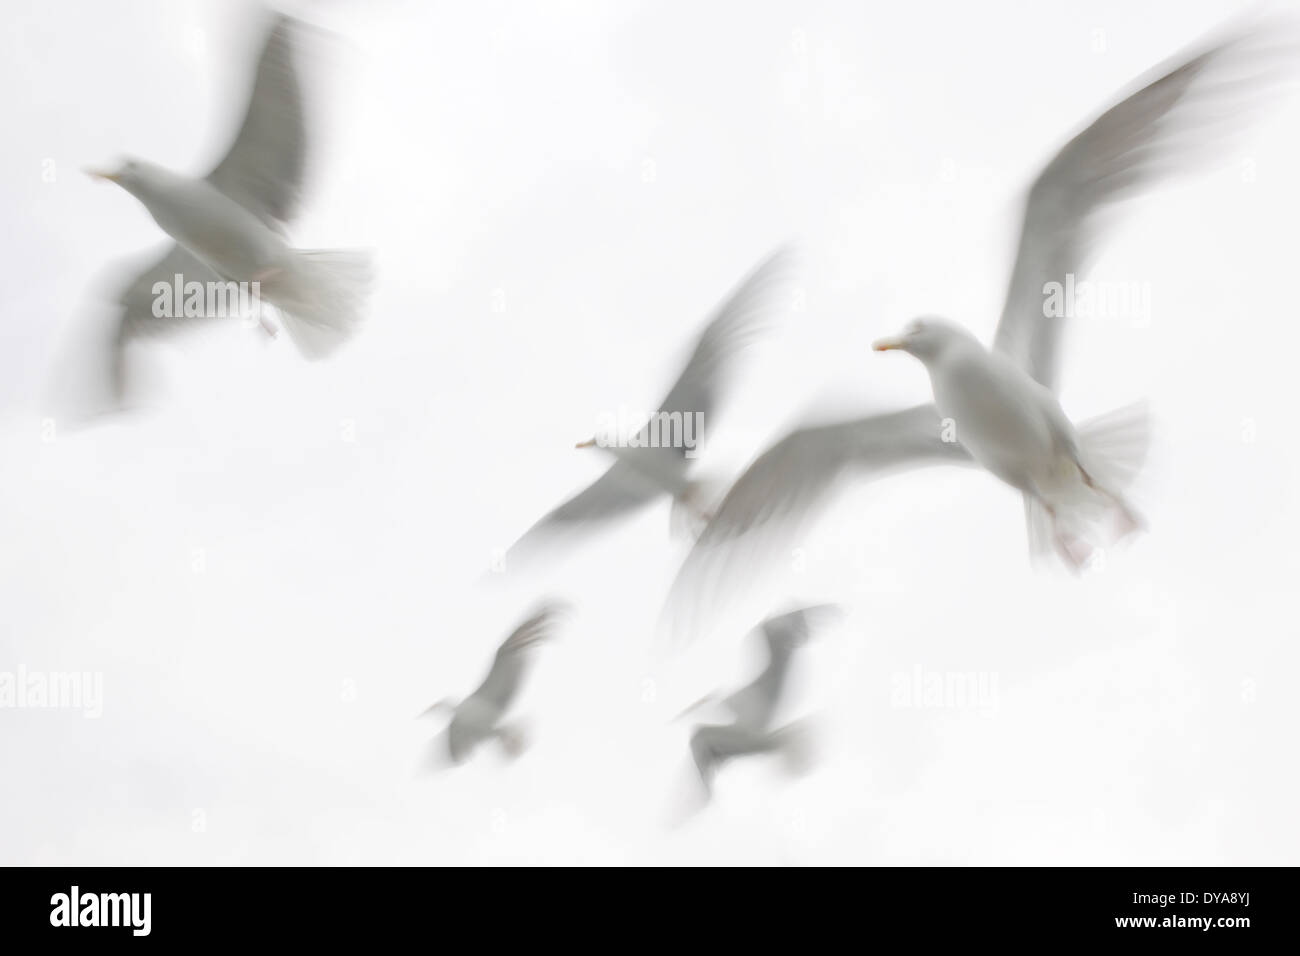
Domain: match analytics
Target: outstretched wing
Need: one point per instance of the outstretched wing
(263, 170)
(620, 491)
(734, 325)
(502, 682)
(1165, 126)
(136, 318)
(786, 487)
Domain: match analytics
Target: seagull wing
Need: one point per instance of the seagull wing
(731, 328)
(756, 703)
(1162, 128)
(136, 318)
(618, 492)
(263, 170)
(786, 486)
(502, 682)
(797, 625)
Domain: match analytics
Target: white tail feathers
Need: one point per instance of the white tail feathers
(797, 747)
(321, 297)
(1113, 446)
(1090, 512)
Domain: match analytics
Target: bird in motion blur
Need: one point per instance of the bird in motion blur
(479, 717)
(1014, 427)
(657, 460)
(228, 229)
(1163, 127)
(753, 707)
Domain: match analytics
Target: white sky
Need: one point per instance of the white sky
(612, 169)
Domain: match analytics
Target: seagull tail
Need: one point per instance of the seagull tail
(1111, 450)
(1113, 446)
(797, 745)
(321, 297)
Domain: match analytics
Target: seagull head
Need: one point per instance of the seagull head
(927, 338)
(605, 437)
(133, 175)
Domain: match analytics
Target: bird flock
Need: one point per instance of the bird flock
(995, 407)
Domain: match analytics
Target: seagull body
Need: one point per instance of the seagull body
(478, 718)
(754, 706)
(644, 472)
(228, 225)
(1014, 427)
(228, 238)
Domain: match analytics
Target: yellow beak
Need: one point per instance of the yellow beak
(585, 444)
(100, 174)
(886, 344)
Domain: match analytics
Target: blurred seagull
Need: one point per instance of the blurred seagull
(478, 717)
(1159, 129)
(754, 706)
(645, 468)
(1014, 427)
(228, 225)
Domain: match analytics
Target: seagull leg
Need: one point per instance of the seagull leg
(1130, 521)
(1072, 550)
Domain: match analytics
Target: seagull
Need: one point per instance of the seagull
(753, 707)
(1160, 128)
(478, 717)
(227, 226)
(646, 468)
(1014, 427)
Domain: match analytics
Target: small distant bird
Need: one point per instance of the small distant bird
(1014, 427)
(754, 706)
(656, 463)
(228, 225)
(1163, 127)
(478, 717)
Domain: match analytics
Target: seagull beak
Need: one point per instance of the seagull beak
(585, 444)
(100, 174)
(886, 344)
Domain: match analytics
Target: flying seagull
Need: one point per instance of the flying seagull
(753, 707)
(1159, 129)
(228, 226)
(656, 462)
(1014, 427)
(478, 717)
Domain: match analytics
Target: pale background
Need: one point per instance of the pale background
(280, 564)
